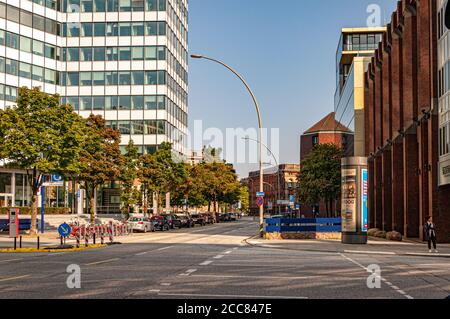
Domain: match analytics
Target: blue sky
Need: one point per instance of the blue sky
(285, 49)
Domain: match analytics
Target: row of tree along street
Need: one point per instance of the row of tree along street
(43, 137)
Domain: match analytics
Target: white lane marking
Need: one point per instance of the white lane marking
(142, 254)
(206, 263)
(164, 248)
(166, 284)
(230, 296)
(369, 252)
(8, 260)
(397, 289)
(228, 252)
(102, 262)
(218, 256)
(188, 272)
(14, 278)
(154, 290)
(258, 277)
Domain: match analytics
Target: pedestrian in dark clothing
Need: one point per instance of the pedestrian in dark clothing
(430, 234)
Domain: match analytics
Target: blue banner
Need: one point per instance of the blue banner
(364, 200)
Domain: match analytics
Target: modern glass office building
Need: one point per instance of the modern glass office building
(355, 49)
(125, 60)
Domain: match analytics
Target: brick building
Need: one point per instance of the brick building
(401, 116)
(327, 131)
(285, 176)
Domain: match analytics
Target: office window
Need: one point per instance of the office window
(26, 18)
(137, 127)
(138, 78)
(125, 29)
(137, 102)
(86, 29)
(98, 102)
(2, 37)
(50, 26)
(150, 127)
(2, 10)
(74, 102)
(161, 53)
(99, 29)
(161, 78)
(161, 102)
(38, 48)
(151, 5)
(162, 129)
(150, 102)
(161, 5)
(98, 78)
(86, 6)
(12, 40)
(150, 78)
(13, 14)
(86, 54)
(111, 103)
(73, 78)
(125, 5)
(85, 78)
(124, 78)
(2, 65)
(138, 29)
(100, 5)
(73, 54)
(150, 53)
(112, 29)
(38, 73)
(112, 54)
(124, 102)
(50, 51)
(85, 103)
(161, 28)
(137, 5)
(111, 78)
(137, 53)
(124, 127)
(2, 92)
(99, 54)
(38, 22)
(50, 76)
(73, 6)
(73, 30)
(25, 70)
(151, 28)
(25, 44)
(10, 93)
(113, 6)
(124, 53)
(12, 67)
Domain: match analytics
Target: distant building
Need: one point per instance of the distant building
(280, 184)
(195, 158)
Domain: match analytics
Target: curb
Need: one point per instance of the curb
(379, 253)
(49, 250)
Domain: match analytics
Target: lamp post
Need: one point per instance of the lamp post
(276, 162)
(261, 178)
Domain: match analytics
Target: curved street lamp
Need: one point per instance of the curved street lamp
(261, 179)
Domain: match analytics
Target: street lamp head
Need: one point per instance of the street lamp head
(196, 56)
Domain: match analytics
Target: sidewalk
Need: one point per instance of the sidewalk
(375, 246)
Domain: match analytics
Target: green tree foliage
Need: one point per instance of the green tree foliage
(159, 173)
(128, 176)
(101, 158)
(42, 137)
(320, 176)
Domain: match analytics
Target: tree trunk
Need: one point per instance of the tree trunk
(34, 209)
(91, 204)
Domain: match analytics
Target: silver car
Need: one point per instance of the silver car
(142, 224)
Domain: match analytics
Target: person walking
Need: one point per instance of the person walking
(430, 234)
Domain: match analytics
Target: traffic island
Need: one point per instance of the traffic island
(303, 236)
(52, 249)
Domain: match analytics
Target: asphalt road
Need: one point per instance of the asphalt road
(214, 262)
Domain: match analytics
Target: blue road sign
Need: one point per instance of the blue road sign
(260, 194)
(64, 230)
(56, 178)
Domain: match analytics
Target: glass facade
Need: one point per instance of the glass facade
(129, 71)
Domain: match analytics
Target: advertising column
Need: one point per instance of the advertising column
(354, 206)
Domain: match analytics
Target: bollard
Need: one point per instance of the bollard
(102, 234)
(61, 239)
(20, 242)
(38, 243)
(77, 236)
(15, 243)
(94, 238)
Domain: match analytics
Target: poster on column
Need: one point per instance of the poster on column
(349, 191)
(364, 200)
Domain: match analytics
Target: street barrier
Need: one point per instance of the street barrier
(303, 225)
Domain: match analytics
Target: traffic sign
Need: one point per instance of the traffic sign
(64, 230)
(260, 201)
(260, 194)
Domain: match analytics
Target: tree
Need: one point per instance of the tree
(42, 137)
(129, 194)
(101, 158)
(160, 174)
(320, 176)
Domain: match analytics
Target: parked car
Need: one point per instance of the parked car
(142, 224)
(209, 218)
(160, 223)
(171, 220)
(233, 217)
(225, 217)
(185, 221)
(198, 219)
